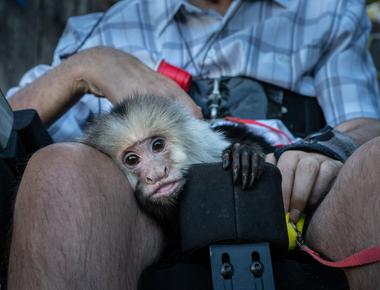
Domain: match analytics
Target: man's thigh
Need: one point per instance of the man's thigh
(348, 218)
(76, 216)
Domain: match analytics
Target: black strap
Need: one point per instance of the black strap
(248, 98)
(328, 141)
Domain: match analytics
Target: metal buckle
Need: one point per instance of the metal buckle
(215, 100)
(241, 267)
(300, 240)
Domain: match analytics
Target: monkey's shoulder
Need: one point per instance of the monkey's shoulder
(240, 133)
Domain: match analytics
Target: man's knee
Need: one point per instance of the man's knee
(73, 188)
(69, 159)
(72, 180)
(66, 167)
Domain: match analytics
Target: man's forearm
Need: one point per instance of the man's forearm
(102, 71)
(361, 129)
(51, 94)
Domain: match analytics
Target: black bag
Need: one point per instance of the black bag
(27, 136)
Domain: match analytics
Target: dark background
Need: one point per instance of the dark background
(29, 33)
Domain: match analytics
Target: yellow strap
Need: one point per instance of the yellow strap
(292, 232)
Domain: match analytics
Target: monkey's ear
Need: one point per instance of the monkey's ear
(99, 134)
(202, 144)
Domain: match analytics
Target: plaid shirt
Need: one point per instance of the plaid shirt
(316, 48)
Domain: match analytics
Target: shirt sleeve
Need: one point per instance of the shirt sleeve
(71, 124)
(346, 79)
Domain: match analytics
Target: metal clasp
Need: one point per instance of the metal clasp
(214, 99)
(300, 240)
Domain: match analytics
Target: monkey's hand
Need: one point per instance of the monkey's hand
(246, 161)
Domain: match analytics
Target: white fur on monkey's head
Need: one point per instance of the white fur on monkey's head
(142, 117)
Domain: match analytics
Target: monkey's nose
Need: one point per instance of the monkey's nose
(157, 176)
(149, 180)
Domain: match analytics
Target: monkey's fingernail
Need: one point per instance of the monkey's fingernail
(225, 163)
(251, 180)
(244, 181)
(235, 174)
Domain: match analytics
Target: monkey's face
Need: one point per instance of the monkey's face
(157, 179)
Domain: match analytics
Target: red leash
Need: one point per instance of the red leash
(363, 257)
(257, 123)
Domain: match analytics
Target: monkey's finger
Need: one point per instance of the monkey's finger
(245, 160)
(261, 161)
(226, 159)
(253, 170)
(235, 162)
(256, 165)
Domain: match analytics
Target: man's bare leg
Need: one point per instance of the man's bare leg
(77, 225)
(348, 219)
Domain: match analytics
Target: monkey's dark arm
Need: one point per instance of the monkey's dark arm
(246, 155)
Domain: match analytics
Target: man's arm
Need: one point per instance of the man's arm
(308, 176)
(361, 130)
(101, 71)
(51, 94)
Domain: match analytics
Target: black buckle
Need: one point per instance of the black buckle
(241, 267)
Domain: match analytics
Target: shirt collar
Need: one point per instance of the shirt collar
(164, 14)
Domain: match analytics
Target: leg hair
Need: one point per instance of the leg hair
(77, 225)
(348, 219)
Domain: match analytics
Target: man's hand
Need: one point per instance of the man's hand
(102, 71)
(114, 74)
(306, 177)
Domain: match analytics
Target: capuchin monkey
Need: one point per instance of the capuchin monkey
(154, 140)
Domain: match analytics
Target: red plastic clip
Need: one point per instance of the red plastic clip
(180, 76)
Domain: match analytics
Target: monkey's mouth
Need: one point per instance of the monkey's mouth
(167, 189)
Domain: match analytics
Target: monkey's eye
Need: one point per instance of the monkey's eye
(131, 159)
(158, 145)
